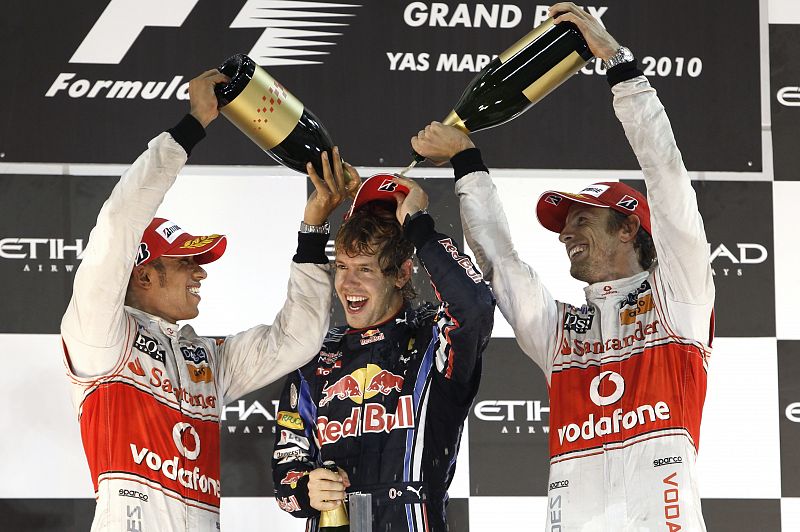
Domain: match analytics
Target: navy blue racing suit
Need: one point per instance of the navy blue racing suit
(387, 404)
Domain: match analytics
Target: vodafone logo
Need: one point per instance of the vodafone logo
(191, 452)
(616, 395)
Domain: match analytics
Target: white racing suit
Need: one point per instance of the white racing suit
(626, 371)
(149, 394)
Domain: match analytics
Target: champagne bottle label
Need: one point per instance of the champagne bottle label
(264, 111)
(529, 37)
(554, 77)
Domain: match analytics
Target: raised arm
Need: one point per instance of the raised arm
(521, 297)
(466, 313)
(254, 358)
(678, 232)
(94, 325)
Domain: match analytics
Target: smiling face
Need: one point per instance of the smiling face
(597, 253)
(368, 295)
(168, 287)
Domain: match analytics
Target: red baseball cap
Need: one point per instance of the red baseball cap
(553, 206)
(380, 187)
(164, 238)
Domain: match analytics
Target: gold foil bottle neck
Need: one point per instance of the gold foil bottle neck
(333, 518)
(454, 120)
(264, 111)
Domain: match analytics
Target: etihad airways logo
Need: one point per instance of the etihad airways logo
(292, 29)
(619, 419)
(43, 255)
(789, 96)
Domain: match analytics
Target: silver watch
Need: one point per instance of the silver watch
(622, 55)
(319, 229)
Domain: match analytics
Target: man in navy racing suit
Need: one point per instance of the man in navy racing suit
(387, 396)
(626, 371)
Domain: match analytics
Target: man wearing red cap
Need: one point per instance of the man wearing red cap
(149, 393)
(626, 371)
(386, 398)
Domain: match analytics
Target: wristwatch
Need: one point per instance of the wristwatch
(324, 229)
(622, 55)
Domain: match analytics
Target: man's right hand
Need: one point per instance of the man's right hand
(331, 189)
(204, 106)
(326, 488)
(439, 143)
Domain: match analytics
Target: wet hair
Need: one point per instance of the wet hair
(374, 230)
(643, 244)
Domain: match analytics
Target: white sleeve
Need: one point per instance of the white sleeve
(256, 357)
(678, 232)
(94, 325)
(521, 297)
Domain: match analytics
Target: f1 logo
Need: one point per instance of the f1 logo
(121, 23)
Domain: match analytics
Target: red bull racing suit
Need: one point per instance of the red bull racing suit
(627, 370)
(387, 404)
(149, 394)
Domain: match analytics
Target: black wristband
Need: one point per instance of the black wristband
(466, 162)
(418, 228)
(188, 132)
(623, 72)
(311, 248)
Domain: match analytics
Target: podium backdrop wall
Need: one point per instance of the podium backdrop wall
(85, 89)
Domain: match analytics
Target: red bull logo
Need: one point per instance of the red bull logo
(362, 383)
(371, 336)
(376, 419)
(293, 477)
(384, 382)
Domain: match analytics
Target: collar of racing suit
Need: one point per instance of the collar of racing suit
(154, 322)
(616, 289)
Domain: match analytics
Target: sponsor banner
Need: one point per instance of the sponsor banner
(43, 233)
(131, 60)
(732, 514)
(786, 323)
(738, 221)
(248, 441)
(789, 415)
(741, 404)
(511, 411)
(784, 47)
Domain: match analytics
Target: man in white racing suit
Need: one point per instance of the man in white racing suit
(149, 393)
(626, 371)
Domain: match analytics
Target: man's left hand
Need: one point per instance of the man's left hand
(600, 42)
(203, 101)
(416, 199)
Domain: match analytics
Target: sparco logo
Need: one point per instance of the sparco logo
(285, 33)
(789, 96)
(616, 395)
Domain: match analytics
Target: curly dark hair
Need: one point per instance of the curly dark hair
(645, 249)
(374, 230)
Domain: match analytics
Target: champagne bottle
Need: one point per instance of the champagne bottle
(519, 77)
(335, 520)
(271, 116)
